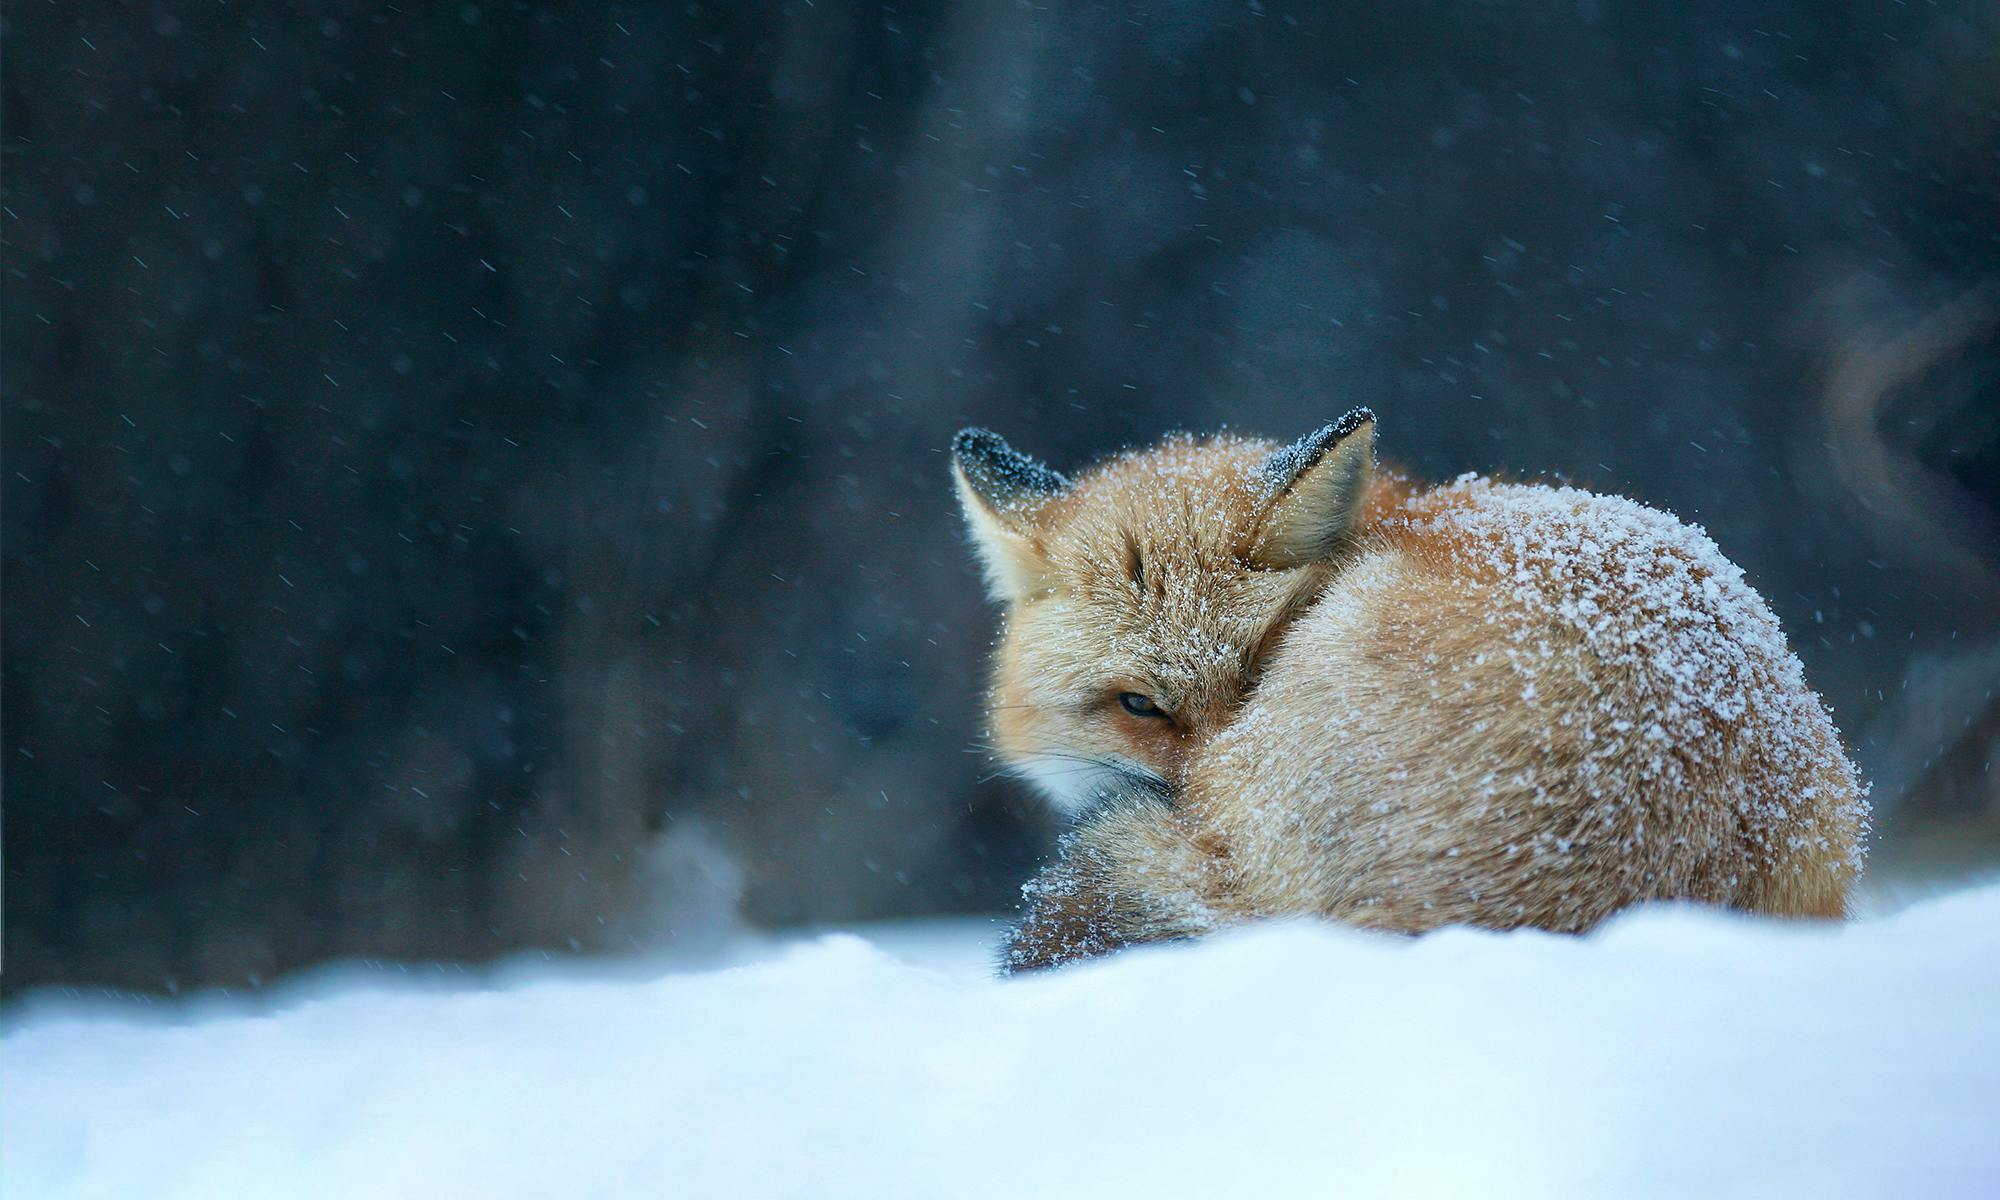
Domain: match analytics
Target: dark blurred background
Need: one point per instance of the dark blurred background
(474, 476)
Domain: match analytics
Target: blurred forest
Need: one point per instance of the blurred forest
(474, 472)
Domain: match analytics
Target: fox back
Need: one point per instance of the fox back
(1270, 680)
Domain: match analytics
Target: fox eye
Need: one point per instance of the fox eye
(1138, 705)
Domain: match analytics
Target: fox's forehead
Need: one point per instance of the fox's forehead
(1180, 503)
(1150, 554)
(1182, 633)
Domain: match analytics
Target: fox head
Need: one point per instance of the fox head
(1142, 596)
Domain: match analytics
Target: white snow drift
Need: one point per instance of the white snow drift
(1674, 1053)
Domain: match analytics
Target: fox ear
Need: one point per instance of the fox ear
(1002, 491)
(1314, 488)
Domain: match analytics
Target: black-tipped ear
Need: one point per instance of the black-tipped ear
(1002, 490)
(1314, 489)
(1002, 476)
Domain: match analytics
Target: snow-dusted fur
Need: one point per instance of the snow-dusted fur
(1484, 703)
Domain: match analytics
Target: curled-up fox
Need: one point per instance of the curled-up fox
(1275, 680)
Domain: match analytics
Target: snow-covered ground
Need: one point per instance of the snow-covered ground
(1674, 1053)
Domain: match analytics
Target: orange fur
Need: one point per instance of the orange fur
(1491, 704)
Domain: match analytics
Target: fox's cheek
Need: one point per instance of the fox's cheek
(1015, 727)
(1157, 744)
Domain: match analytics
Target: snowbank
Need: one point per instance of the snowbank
(1675, 1053)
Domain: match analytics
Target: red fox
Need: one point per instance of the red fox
(1274, 680)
